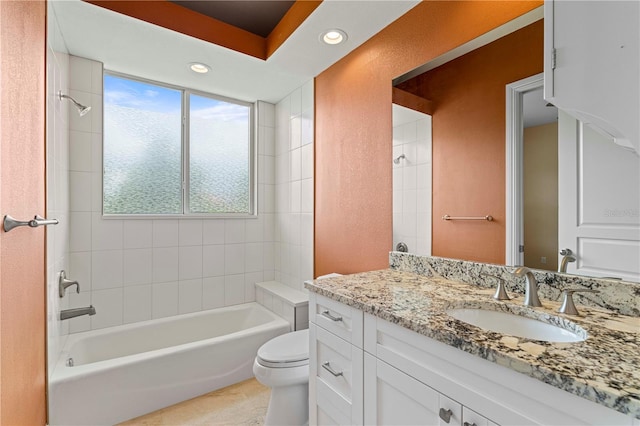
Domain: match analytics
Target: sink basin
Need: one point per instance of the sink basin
(515, 325)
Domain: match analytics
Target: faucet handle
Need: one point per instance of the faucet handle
(501, 293)
(568, 307)
(63, 283)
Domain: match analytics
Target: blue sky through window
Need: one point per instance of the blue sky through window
(139, 95)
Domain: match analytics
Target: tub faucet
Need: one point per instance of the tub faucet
(531, 286)
(567, 256)
(76, 312)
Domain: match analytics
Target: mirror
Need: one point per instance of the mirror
(466, 95)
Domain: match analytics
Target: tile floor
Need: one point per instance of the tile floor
(244, 403)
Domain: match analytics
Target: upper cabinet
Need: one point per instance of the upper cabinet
(591, 64)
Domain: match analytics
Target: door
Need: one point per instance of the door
(22, 186)
(598, 202)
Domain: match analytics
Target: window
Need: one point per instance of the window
(173, 151)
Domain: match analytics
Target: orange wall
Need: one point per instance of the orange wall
(22, 267)
(468, 95)
(353, 204)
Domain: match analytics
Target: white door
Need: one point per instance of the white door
(598, 202)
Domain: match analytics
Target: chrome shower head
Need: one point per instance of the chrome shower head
(397, 160)
(82, 109)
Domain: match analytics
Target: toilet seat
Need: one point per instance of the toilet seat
(285, 351)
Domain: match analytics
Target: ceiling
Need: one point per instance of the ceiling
(258, 17)
(131, 46)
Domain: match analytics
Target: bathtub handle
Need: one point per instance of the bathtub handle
(327, 366)
(331, 317)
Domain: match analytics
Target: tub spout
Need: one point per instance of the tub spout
(76, 312)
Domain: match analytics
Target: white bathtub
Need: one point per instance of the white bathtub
(126, 371)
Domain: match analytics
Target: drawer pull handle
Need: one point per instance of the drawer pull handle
(469, 424)
(331, 317)
(445, 415)
(327, 366)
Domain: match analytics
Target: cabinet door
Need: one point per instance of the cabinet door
(394, 398)
(591, 64)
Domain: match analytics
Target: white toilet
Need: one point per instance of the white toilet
(283, 365)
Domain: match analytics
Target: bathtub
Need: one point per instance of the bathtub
(122, 372)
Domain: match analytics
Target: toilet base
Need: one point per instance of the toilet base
(288, 405)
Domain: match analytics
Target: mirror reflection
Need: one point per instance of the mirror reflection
(534, 225)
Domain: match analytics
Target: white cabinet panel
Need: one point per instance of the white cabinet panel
(592, 64)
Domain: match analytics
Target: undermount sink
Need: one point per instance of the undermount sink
(515, 325)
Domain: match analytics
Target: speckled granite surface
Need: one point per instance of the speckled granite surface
(604, 368)
(614, 295)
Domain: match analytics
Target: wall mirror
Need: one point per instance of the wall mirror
(519, 178)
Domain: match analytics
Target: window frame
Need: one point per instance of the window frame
(184, 153)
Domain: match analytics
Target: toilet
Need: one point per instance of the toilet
(283, 365)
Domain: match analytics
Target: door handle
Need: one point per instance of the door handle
(9, 222)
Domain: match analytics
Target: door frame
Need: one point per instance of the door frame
(514, 222)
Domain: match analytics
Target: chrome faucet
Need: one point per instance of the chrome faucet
(567, 256)
(531, 286)
(76, 312)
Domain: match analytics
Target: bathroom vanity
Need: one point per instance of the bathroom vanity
(384, 350)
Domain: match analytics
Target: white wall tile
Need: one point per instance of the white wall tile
(80, 73)
(234, 259)
(190, 232)
(80, 270)
(137, 303)
(106, 269)
(190, 296)
(306, 203)
(234, 231)
(296, 102)
(80, 151)
(306, 161)
(254, 229)
(105, 234)
(295, 132)
(306, 128)
(212, 292)
(269, 141)
(409, 178)
(250, 281)
(165, 264)
(253, 257)
(138, 234)
(80, 231)
(307, 96)
(190, 263)
(96, 192)
(96, 77)
(76, 122)
(268, 226)
(138, 266)
(109, 308)
(296, 196)
(96, 153)
(233, 289)
(213, 264)
(95, 114)
(164, 300)
(165, 233)
(80, 191)
(295, 161)
(213, 231)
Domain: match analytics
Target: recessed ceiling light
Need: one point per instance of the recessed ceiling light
(199, 67)
(333, 36)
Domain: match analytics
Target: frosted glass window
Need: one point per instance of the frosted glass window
(219, 156)
(153, 166)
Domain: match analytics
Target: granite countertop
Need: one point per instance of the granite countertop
(603, 369)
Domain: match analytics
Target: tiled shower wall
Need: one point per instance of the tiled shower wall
(57, 185)
(412, 181)
(136, 270)
(294, 187)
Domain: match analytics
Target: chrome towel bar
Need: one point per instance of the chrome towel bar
(488, 218)
(9, 223)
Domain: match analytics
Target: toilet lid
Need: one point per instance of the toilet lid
(286, 350)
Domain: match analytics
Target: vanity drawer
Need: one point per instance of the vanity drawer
(342, 320)
(335, 370)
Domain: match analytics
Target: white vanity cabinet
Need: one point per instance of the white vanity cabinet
(335, 363)
(591, 64)
(383, 373)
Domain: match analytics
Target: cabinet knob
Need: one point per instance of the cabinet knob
(445, 415)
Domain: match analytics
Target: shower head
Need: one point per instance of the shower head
(82, 109)
(397, 159)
